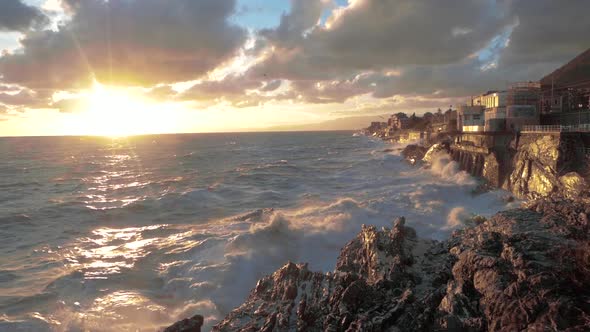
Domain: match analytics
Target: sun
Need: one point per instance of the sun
(117, 112)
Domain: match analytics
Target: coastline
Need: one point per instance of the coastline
(479, 279)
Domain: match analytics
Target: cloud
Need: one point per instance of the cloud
(271, 86)
(377, 34)
(17, 16)
(230, 88)
(433, 49)
(304, 15)
(5, 88)
(127, 42)
(70, 105)
(164, 92)
(401, 53)
(547, 31)
(25, 98)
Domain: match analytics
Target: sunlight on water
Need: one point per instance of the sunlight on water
(138, 232)
(120, 171)
(110, 250)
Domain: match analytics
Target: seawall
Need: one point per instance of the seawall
(530, 165)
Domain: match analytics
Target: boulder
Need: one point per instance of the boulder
(573, 185)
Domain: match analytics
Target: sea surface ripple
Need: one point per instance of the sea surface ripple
(128, 234)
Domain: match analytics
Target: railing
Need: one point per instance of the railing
(557, 129)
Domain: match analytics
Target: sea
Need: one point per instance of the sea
(135, 233)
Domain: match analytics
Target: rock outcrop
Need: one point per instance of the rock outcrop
(524, 269)
(544, 165)
(192, 324)
(414, 153)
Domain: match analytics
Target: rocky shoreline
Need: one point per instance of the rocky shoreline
(522, 269)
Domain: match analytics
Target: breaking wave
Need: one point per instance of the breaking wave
(136, 234)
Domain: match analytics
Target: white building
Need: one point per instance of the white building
(471, 118)
(487, 112)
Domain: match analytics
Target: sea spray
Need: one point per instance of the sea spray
(189, 224)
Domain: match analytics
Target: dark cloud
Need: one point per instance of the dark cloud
(230, 88)
(407, 53)
(330, 92)
(304, 15)
(25, 98)
(271, 86)
(377, 34)
(455, 80)
(547, 31)
(17, 16)
(134, 42)
(431, 47)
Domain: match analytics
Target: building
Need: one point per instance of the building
(491, 99)
(565, 93)
(399, 121)
(471, 118)
(494, 103)
(567, 89)
(495, 119)
(414, 135)
(377, 127)
(523, 105)
(444, 122)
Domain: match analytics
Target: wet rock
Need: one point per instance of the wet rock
(573, 185)
(414, 153)
(491, 170)
(523, 269)
(542, 166)
(192, 324)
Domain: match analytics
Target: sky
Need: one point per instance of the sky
(119, 67)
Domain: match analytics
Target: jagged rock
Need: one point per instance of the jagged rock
(414, 153)
(434, 150)
(542, 166)
(524, 269)
(374, 284)
(573, 185)
(491, 170)
(192, 324)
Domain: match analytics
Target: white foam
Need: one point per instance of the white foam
(172, 271)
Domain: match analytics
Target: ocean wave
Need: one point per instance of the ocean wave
(20, 219)
(151, 238)
(442, 165)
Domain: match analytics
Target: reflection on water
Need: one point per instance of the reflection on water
(132, 234)
(120, 169)
(109, 250)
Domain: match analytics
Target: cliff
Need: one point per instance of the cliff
(547, 164)
(532, 165)
(524, 269)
